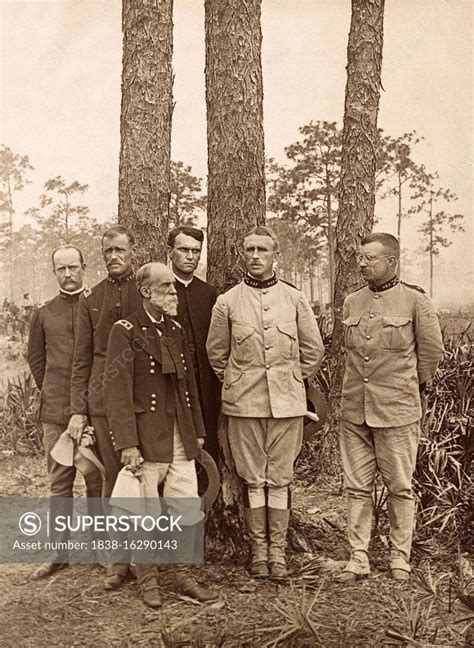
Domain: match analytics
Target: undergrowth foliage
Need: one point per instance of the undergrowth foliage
(442, 481)
(19, 427)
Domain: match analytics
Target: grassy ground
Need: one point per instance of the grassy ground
(72, 609)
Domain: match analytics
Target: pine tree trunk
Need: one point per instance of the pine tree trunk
(357, 185)
(236, 183)
(145, 124)
(236, 159)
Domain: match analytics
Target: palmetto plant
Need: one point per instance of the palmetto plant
(442, 479)
(19, 429)
(298, 620)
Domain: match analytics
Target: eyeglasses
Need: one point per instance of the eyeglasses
(370, 259)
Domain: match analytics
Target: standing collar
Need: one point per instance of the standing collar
(183, 281)
(121, 280)
(256, 283)
(70, 296)
(153, 319)
(385, 286)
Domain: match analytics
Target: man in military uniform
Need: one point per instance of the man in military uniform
(195, 301)
(152, 406)
(50, 351)
(393, 343)
(263, 343)
(99, 308)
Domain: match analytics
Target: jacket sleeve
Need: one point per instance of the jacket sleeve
(118, 388)
(311, 344)
(429, 341)
(218, 339)
(83, 359)
(191, 387)
(36, 354)
(213, 296)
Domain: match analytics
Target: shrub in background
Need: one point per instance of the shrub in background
(20, 430)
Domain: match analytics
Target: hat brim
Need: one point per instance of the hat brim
(316, 403)
(87, 462)
(208, 479)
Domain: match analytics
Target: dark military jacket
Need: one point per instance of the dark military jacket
(50, 354)
(99, 308)
(195, 303)
(149, 386)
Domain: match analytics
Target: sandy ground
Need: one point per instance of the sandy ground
(72, 609)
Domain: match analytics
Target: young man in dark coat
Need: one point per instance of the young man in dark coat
(195, 301)
(53, 332)
(153, 410)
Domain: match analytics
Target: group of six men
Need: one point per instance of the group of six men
(157, 408)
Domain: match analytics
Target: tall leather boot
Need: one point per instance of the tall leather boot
(256, 521)
(147, 579)
(277, 528)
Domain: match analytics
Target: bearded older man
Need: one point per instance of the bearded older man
(152, 405)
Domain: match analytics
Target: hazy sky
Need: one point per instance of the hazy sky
(60, 95)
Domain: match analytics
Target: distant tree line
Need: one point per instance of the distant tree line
(303, 200)
(63, 216)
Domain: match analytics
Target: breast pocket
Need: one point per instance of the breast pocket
(287, 340)
(242, 343)
(397, 333)
(352, 332)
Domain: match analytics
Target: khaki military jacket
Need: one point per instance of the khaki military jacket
(262, 343)
(393, 343)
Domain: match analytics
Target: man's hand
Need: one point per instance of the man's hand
(200, 442)
(76, 426)
(131, 457)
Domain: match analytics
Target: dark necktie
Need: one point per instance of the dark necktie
(160, 326)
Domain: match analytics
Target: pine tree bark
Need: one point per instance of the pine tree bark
(357, 185)
(236, 184)
(145, 124)
(236, 158)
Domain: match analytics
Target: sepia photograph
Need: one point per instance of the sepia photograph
(236, 323)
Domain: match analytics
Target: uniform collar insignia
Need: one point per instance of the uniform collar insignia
(385, 286)
(63, 294)
(121, 280)
(255, 283)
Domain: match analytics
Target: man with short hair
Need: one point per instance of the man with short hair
(152, 406)
(196, 299)
(394, 344)
(99, 308)
(50, 353)
(263, 343)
